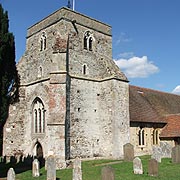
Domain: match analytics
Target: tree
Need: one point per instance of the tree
(9, 80)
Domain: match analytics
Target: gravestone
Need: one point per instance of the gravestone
(162, 151)
(153, 167)
(156, 153)
(77, 173)
(35, 168)
(8, 158)
(11, 174)
(107, 173)
(176, 154)
(51, 168)
(166, 149)
(137, 166)
(128, 152)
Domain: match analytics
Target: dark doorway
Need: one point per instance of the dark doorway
(39, 154)
(39, 150)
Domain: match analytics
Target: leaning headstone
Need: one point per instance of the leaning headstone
(153, 167)
(107, 173)
(156, 153)
(51, 168)
(128, 152)
(137, 166)
(35, 168)
(11, 174)
(77, 173)
(176, 154)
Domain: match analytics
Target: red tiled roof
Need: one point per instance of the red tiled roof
(172, 128)
(147, 105)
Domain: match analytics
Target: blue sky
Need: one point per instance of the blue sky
(146, 34)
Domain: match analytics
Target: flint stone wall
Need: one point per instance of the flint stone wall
(74, 101)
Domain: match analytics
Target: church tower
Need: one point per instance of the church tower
(74, 100)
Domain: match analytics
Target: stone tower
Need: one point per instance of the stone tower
(74, 100)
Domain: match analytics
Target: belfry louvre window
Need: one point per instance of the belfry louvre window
(88, 41)
(85, 42)
(38, 116)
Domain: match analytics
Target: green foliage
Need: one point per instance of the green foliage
(9, 80)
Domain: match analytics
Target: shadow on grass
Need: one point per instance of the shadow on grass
(23, 164)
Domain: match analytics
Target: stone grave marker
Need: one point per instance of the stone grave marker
(35, 168)
(77, 173)
(128, 152)
(107, 173)
(156, 153)
(11, 174)
(166, 149)
(8, 158)
(153, 167)
(51, 168)
(137, 166)
(176, 154)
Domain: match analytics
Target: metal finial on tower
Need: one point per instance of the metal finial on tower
(69, 4)
(73, 4)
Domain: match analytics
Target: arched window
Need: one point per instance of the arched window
(85, 42)
(41, 46)
(141, 137)
(40, 126)
(156, 136)
(38, 116)
(44, 38)
(84, 69)
(35, 121)
(43, 42)
(88, 41)
(43, 123)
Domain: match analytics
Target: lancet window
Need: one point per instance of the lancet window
(38, 116)
(141, 137)
(156, 136)
(43, 42)
(88, 41)
(84, 69)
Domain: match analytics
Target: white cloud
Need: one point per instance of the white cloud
(176, 90)
(137, 67)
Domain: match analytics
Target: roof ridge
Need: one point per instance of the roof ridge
(154, 90)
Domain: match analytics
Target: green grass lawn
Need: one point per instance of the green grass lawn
(123, 171)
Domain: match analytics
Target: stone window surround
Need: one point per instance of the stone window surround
(84, 69)
(38, 118)
(88, 40)
(155, 136)
(141, 136)
(43, 42)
